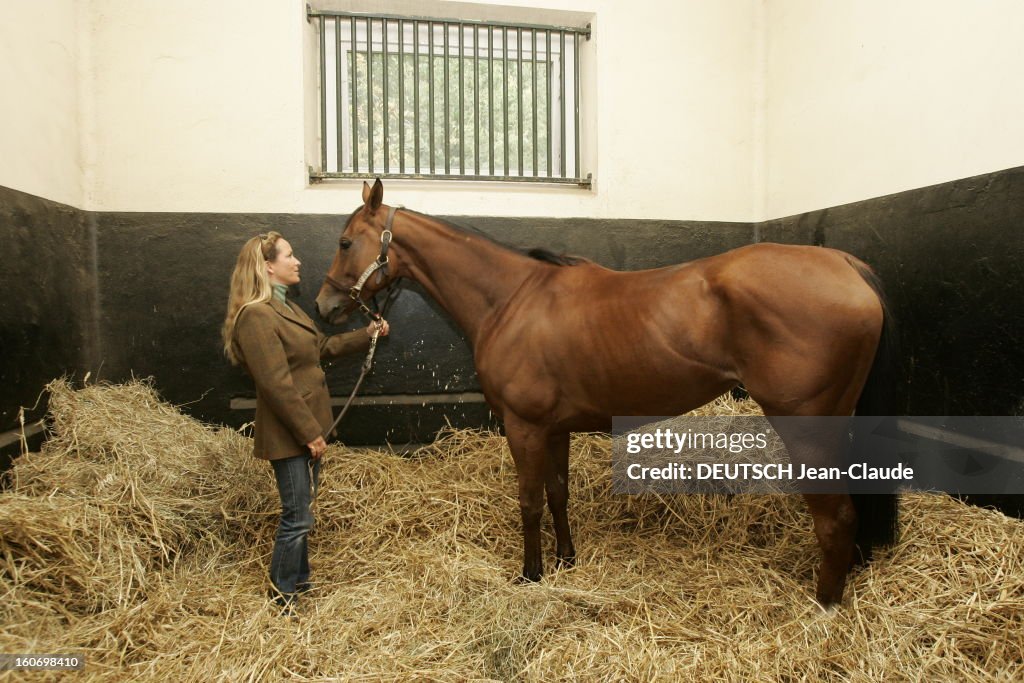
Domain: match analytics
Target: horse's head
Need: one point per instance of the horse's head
(358, 247)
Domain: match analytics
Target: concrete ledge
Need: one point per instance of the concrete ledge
(388, 400)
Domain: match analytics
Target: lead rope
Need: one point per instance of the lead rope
(367, 366)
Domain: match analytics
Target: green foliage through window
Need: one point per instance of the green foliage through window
(435, 98)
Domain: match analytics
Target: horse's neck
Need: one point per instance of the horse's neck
(467, 274)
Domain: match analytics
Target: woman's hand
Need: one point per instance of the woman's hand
(381, 325)
(317, 447)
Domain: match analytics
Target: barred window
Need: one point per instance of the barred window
(431, 98)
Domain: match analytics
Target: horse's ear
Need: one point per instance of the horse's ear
(373, 196)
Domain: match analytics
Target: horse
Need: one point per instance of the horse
(562, 344)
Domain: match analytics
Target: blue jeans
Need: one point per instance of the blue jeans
(289, 565)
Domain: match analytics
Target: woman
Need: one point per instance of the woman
(281, 348)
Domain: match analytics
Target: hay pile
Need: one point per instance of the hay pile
(140, 538)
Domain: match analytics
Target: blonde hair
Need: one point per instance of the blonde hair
(250, 284)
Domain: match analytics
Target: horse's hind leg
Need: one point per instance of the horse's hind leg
(818, 442)
(556, 481)
(835, 523)
(529, 450)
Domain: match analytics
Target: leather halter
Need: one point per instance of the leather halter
(380, 264)
(382, 258)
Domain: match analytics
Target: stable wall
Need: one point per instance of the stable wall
(40, 87)
(873, 97)
(49, 318)
(48, 313)
(203, 111)
(740, 110)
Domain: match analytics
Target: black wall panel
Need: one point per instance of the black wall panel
(48, 305)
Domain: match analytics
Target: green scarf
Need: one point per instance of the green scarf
(279, 293)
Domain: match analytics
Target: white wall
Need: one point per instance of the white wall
(871, 97)
(201, 108)
(39, 99)
(729, 110)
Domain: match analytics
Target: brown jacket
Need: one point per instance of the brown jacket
(282, 349)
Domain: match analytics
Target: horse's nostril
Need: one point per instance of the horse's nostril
(327, 312)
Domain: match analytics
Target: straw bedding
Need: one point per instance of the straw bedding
(140, 538)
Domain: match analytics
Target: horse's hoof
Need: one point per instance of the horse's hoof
(527, 578)
(829, 603)
(829, 609)
(567, 562)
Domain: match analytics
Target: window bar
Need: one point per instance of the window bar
(561, 81)
(553, 164)
(447, 86)
(490, 94)
(401, 96)
(369, 94)
(533, 73)
(482, 23)
(476, 99)
(547, 92)
(519, 90)
(385, 114)
(355, 101)
(323, 96)
(576, 100)
(504, 82)
(338, 89)
(462, 100)
(430, 82)
(416, 92)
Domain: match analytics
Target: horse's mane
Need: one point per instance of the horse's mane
(537, 253)
(548, 256)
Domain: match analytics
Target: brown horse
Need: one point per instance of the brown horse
(561, 345)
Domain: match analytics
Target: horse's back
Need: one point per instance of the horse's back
(588, 340)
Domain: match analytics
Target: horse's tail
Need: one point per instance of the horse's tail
(877, 514)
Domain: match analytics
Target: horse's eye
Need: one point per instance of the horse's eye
(345, 243)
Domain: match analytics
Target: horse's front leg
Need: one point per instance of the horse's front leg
(529, 447)
(556, 482)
